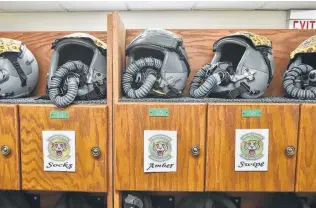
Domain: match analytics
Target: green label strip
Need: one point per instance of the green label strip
(251, 113)
(59, 115)
(158, 112)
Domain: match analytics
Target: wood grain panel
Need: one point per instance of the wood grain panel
(90, 124)
(109, 80)
(130, 121)
(119, 35)
(282, 122)
(306, 154)
(117, 200)
(199, 46)
(9, 135)
(40, 44)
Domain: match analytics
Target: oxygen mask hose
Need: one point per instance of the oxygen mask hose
(198, 90)
(294, 85)
(152, 66)
(69, 72)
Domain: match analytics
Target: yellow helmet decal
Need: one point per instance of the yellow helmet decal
(257, 40)
(308, 46)
(96, 41)
(9, 45)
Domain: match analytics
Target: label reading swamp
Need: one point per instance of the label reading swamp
(252, 149)
(160, 151)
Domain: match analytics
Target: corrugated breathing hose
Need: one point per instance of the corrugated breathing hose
(71, 72)
(198, 90)
(152, 66)
(294, 75)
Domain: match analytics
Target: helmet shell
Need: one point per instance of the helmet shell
(10, 78)
(166, 46)
(81, 47)
(305, 53)
(247, 52)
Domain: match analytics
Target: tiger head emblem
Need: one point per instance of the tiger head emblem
(59, 148)
(160, 148)
(251, 146)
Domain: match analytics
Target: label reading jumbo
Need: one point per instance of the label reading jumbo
(251, 149)
(59, 153)
(160, 151)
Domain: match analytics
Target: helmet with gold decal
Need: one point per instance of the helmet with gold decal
(77, 69)
(243, 66)
(299, 80)
(18, 69)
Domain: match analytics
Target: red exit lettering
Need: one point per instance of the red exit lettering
(303, 24)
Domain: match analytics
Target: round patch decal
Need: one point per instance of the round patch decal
(58, 148)
(160, 148)
(251, 146)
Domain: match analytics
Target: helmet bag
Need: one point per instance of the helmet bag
(286, 200)
(13, 199)
(207, 200)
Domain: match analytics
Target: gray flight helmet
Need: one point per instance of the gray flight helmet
(162, 51)
(18, 69)
(299, 80)
(85, 48)
(252, 62)
(137, 200)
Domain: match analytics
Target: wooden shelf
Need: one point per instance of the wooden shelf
(90, 125)
(306, 164)
(10, 164)
(281, 116)
(281, 120)
(189, 120)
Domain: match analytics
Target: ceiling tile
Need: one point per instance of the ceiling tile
(29, 6)
(228, 5)
(93, 5)
(159, 5)
(286, 5)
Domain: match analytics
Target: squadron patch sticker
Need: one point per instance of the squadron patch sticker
(160, 151)
(58, 148)
(251, 149)
(59, 151)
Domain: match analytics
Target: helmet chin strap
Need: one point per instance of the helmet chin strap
(13, 58)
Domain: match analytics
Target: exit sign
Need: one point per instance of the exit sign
(302, 19)
(302, 24)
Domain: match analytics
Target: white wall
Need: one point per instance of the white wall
(96, 21)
